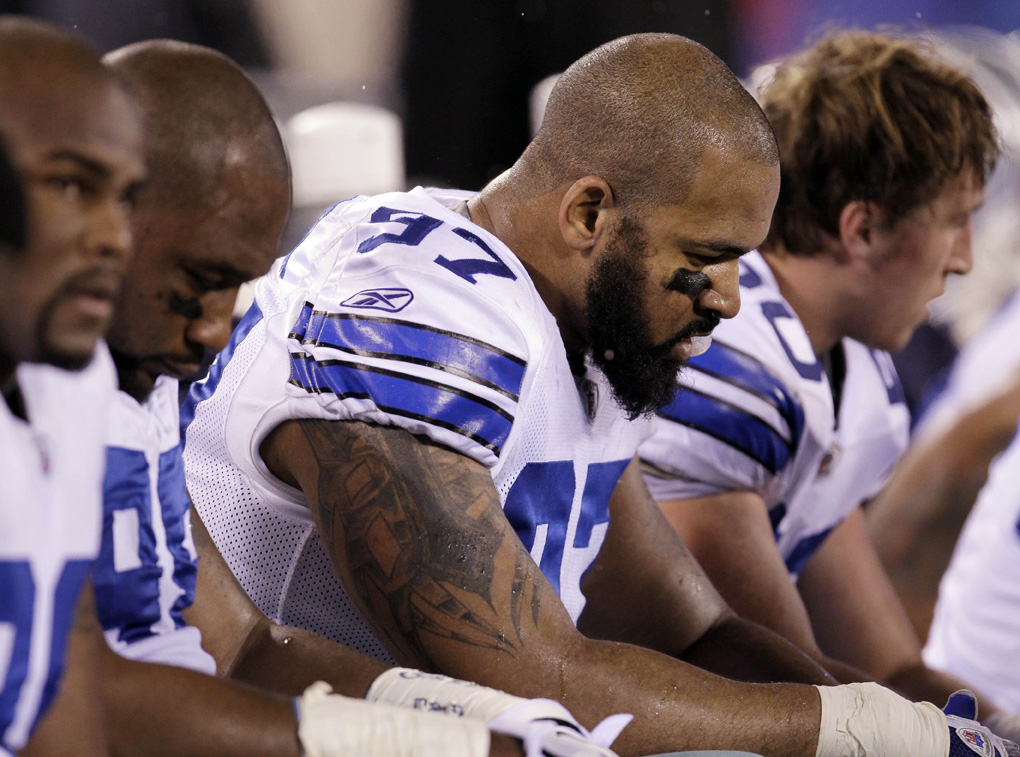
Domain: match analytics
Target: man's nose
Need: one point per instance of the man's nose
(212, 328)
(724, 295)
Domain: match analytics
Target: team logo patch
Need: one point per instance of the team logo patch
(391, 300)
(976, 740)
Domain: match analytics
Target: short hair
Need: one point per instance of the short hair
(26, 43)
(202, 114)
(13, 232)
(639, 112)
(870, 117)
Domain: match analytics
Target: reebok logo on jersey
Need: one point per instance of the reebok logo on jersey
(391, 300)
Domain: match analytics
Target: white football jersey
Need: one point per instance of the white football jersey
(397, 310)
(755, 413)
(147, 567)
(50, 511)
(975, 633)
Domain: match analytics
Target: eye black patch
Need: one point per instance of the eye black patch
(691, 284)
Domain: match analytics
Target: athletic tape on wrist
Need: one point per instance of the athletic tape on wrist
(406, 687)
(869, 720)
(331, 725)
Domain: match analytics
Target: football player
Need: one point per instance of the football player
(794, 417)
(420, 439)
(75, 139)
(210, 218)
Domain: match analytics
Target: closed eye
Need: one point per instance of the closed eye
(190, 308)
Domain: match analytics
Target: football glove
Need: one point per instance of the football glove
(968, 737)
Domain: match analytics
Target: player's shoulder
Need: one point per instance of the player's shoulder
(765, 347)
(745, 406)
(424, 230)
(409, 268)
(71, 397)
(871, 373)
(152, 425)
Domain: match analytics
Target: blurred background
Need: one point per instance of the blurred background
(375, 95)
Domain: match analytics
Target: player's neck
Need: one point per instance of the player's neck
(131, 378)
(8, 367)
(806, 282)
(11, 391)
(518, 223)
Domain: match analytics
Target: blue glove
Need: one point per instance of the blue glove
(968, 737)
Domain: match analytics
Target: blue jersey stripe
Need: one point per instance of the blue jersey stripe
(408, 396)
(803, 551)
(746, 372)
(128, 601)
(731, 425)
(389, 338)
(203, 390)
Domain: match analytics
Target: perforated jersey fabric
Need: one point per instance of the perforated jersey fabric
(145, 576)
(50, 515)
(755, 413)
(397, 310)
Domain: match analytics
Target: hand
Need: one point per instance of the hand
(967, 736)
(547, 729)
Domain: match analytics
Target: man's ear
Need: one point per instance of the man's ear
(585, 212)
(858, 223)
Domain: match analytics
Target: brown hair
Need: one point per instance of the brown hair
(870, 117)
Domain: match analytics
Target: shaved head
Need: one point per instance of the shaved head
(29, 46)
(211, 215)
(640, 112)
(39, 65)
(74, 137)
(203, 117)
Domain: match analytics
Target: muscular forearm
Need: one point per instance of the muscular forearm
(678, 706)
(921, 683)
(288, 660)
(739, 649)
(161, 710)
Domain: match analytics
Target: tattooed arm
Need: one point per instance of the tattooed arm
(417, 536)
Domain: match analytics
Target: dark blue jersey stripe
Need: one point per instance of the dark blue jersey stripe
(203, 390)
(803, 551)
(731, 425)
(408, 396)
(745, 372)
(404, 341)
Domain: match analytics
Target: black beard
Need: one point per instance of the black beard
(641, 374)
(51, 355)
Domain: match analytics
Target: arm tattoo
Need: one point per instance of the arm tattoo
(418, 529)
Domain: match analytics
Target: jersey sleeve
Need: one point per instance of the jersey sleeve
(420, 325)
(733, 424)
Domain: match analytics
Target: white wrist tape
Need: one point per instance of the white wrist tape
(331, 725)
(545, 726)
(869, 720)
(405, 687)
